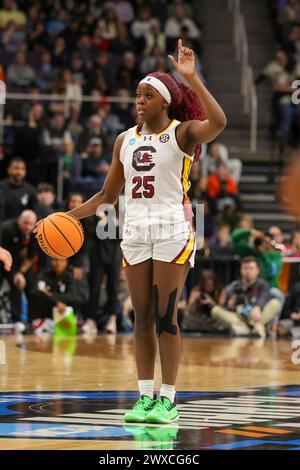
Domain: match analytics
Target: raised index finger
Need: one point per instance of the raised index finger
(179, 44)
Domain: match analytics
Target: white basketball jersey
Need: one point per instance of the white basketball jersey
(156, 176)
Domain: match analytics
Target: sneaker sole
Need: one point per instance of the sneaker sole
(153, 419)
(134, 420)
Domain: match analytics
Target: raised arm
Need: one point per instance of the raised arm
(198, 132)
(112, 187)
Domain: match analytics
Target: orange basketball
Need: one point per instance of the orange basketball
(60, 235)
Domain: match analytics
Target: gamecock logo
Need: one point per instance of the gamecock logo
(142, 159)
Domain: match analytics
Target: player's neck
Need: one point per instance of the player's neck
(155, 125)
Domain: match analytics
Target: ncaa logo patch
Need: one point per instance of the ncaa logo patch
(164, 138)
(132, 141)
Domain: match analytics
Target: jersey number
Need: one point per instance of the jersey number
(145, 183)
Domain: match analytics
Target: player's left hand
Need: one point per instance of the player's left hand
(186, 60)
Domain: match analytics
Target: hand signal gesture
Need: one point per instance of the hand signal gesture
(186, 60)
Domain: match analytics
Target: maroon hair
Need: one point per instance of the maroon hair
(185, 104)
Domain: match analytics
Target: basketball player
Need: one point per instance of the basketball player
(152, 160)
(6, 259)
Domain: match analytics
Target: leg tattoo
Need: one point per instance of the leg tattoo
(164, 323)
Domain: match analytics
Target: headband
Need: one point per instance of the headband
(159, 86)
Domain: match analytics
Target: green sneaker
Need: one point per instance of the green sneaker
(163, 412)
(139, 410)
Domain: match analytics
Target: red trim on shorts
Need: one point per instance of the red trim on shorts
(183, 249)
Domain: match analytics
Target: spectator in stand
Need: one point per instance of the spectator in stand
(95, 166)
(13, 39)
(227, 203)
(128, 74)
(94, 129)
(252, 242)
(110, 23)
(153, 61)
(56, 133)
(174, 25)
(276, 72)
(140, 26)
(16, 194)
(46, 200)
(207, 293)
(20, 76)
(124, 10)
(217, 154)
(248, 306)
(111, 125)
(29, 137)
(124, 110)
(18, 239)
(10, 12)
(72, 168)
(293, 43)
(78, 69)
(70, 87)
(274, 68)
(54, 287)
(289, 15)
(60, 55)
(278, 240)
(221, 245)
(155, 38)
(37, 38)
(47, 73)
(221, 181)
(288, 111)
(71, 32)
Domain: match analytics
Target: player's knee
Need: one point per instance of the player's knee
(144, 320)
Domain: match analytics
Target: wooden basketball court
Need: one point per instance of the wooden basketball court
(71, 394)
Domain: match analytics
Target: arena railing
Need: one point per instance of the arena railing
(248, 90)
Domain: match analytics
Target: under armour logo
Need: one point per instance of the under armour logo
(147, 137)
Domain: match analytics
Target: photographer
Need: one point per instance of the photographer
(202, 299)
(248, 305)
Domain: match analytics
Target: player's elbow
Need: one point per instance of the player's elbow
(221, 122)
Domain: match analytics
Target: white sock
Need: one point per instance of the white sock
(168, 391)
(146, 387)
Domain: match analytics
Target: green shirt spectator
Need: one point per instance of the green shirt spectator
(269, 260)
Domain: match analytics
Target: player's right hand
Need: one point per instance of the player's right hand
(6, 259)
(36, 227)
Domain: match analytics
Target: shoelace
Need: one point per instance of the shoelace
(140, 404)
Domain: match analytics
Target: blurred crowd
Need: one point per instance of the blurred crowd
(56, 153)
(283, 70)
